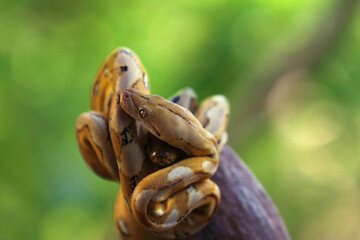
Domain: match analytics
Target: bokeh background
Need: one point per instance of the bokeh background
(290, 68)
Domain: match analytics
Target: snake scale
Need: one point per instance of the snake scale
(163, 152)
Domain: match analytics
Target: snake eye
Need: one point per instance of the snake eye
(142, 113)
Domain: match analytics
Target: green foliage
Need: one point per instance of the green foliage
(305, 152)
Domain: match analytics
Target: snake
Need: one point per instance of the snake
(163, 152)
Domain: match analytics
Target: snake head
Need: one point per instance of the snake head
(137, 104)
(144, 109)
(167, 121)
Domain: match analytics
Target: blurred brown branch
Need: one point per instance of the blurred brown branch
(246, 210)
(304, 59)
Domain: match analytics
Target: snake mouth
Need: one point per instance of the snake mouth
(127, 103)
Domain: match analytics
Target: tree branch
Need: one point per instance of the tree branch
(246, 211)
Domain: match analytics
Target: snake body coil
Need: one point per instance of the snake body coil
(162, 152)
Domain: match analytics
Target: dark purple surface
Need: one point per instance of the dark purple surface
(246, 211)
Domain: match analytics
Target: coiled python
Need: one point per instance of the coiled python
(162, 152)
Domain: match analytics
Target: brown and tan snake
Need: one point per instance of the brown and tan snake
(162, 152)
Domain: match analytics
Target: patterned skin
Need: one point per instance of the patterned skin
(129, 136)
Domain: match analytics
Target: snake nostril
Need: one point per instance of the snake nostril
(127, 95)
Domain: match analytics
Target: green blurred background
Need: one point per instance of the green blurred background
(295, 109)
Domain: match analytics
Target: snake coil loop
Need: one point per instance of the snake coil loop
(162, 152)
